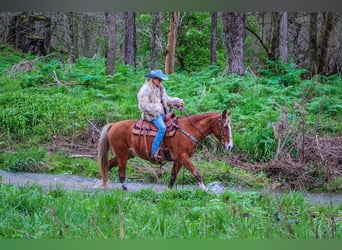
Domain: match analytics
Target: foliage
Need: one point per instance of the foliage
(31, 213)
(279, 73)
(193, 50)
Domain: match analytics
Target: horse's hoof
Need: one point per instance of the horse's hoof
(203, 187)
(124, 187)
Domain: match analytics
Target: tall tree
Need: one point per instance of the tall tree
(279, 37)
(295, 36)
(275, 36)
(283, 37)
(70, 36)
(6, 21)
(327, 28)
(111, 28)
(313, 46)
(171, 43)
(155, 27)
(234, 31)
(130, 43)
(86, 35)
(213, 43)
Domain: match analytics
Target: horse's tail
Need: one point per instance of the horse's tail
(103, 148)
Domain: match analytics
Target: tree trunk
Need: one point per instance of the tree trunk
(213, 43)
(275, 42)
(234, 31)
(283, 50)
(313, 48)
(324, 42)
(295, 40)
(156, 24)
(86, 33)
(7, 26)
(130, 38)
(171, 43)
(111, 28)
(70, 36)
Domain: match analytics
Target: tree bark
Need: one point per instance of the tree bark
(130, 38)
(234, 30)
(86, 31)
(283, 49)
(70, 36)
(213, 43)
(275, 42)
(313, 47)
(171, 44)
(324, 42)
(155, 27)
(296, 31)
(111, 55)
(7, 26)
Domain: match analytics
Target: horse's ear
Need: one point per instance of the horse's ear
(224, 113)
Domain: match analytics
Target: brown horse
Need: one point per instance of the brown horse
(190, 131)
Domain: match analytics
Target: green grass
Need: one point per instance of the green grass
(31, 213)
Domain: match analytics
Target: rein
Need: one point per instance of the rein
(187, 116)
(192, 138)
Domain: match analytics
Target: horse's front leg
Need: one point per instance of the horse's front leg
(174, 173)
(185, 160)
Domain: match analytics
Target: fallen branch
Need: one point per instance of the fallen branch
(26, 66)
(56, 78)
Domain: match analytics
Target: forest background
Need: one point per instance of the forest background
(280, 73)
(64, 75)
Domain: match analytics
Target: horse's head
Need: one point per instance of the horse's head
(224, 132)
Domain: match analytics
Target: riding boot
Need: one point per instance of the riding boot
(155, 157)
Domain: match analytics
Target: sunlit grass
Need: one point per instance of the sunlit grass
(30, 212)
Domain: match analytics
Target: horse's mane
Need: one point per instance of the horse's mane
(200, 116)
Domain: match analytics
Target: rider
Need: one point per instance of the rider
(154, 103)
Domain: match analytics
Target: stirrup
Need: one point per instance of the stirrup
(155, 158)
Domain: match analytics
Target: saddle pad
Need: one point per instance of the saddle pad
(142, 127)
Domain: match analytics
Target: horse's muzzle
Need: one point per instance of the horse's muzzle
(228, 147)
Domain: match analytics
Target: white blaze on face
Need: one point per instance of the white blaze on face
(228, 126)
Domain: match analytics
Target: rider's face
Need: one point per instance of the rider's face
(157, 81)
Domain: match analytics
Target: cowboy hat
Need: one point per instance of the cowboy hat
(157, 74)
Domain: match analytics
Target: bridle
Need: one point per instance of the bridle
(194, 140)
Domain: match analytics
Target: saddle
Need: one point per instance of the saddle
(143, 127)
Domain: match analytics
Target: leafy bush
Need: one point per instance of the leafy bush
(284, 74)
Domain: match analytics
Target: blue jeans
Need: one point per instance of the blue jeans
(160, 124)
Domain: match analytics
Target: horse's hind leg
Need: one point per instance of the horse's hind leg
(113, 163)
(122, 162)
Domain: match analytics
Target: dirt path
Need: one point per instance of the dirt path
(73, 182)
